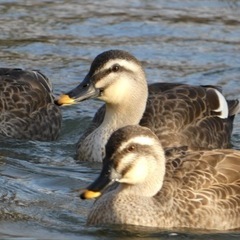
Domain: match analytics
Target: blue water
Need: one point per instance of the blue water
(195, 42)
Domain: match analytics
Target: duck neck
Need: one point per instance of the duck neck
(129, 112)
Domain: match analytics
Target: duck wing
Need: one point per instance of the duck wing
(184, 115)
(27, 108)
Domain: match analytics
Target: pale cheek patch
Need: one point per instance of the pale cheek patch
(126, 162)
(115, 84)
(116, 91)
(137, 171)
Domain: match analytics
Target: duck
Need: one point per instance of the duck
(199, 117)
(164, 188)
(27, 107)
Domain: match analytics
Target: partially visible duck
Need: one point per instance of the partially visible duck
(176, 189)
(27, 108)
(196, 116)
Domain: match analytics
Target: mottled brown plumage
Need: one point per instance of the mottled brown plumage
(198, 189)
(179, 114)
(27, 108)
(183, 115)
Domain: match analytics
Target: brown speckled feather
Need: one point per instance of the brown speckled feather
(202, 184)
(183, 115)
(27, 109)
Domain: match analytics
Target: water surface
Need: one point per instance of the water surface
(195, 42)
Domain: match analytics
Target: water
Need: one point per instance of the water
(196, 42)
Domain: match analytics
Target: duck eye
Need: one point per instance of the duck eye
(115, 67)
(131, 148)
(85, 85)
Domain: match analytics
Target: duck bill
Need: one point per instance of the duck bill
(104, 180)
(85, 90)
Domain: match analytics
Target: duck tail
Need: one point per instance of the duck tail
(234, 107)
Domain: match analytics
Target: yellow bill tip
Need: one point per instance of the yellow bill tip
(87, 194)
(65, 99)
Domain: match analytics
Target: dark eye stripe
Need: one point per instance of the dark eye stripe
(127, 169)
(138, 149)
(97, 77)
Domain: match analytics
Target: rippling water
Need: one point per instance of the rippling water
(190, 41)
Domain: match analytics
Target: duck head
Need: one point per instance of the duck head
(135, 159)
(112, 75)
